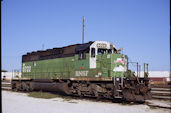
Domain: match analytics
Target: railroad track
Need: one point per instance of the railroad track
(161, 96)
(6, 85)
(163, 93)
(158, 103)
(157, 93)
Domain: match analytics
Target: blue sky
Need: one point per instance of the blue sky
(141, 27)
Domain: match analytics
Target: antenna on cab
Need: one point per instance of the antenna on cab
(83, 29)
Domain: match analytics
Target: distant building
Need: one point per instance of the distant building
(9, 75)
(3, 70)
(158, 76)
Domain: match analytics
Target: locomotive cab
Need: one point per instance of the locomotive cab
(106, 57)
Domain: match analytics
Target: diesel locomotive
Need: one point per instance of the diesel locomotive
(94, 69)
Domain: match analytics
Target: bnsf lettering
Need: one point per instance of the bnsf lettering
(81, 73)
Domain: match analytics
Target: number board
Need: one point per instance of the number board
(101, 45)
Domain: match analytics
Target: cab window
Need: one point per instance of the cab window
(104, 51)
(92, 52)
(82, 55)
(109, 51)
(101, 51)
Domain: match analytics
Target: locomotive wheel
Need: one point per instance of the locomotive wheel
(25, 86)
(80, 94)
(96, 94)
(18, 87)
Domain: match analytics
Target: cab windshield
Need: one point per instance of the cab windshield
(104, 51)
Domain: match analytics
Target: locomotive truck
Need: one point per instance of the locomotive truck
(94, 69)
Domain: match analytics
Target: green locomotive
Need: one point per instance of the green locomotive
(94, 69)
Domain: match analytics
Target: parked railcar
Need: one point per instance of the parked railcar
(94, 69)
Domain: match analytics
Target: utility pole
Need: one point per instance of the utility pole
(137, 69)
(43, 46)
(83, 29)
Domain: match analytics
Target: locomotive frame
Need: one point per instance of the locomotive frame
(93, 69)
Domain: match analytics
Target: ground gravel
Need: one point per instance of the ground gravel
(13, 102)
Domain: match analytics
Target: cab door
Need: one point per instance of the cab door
(93, 57)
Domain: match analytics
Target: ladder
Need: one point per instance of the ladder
(117, 86)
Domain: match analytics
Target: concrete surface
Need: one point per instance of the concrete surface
(13, 102)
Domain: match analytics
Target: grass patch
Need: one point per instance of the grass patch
(45, 95)
(5, 85)
(49, 95)
(73, 102)
(67, 99)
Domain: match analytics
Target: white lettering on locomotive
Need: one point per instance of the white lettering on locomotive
(26, 68)
(81, 73)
